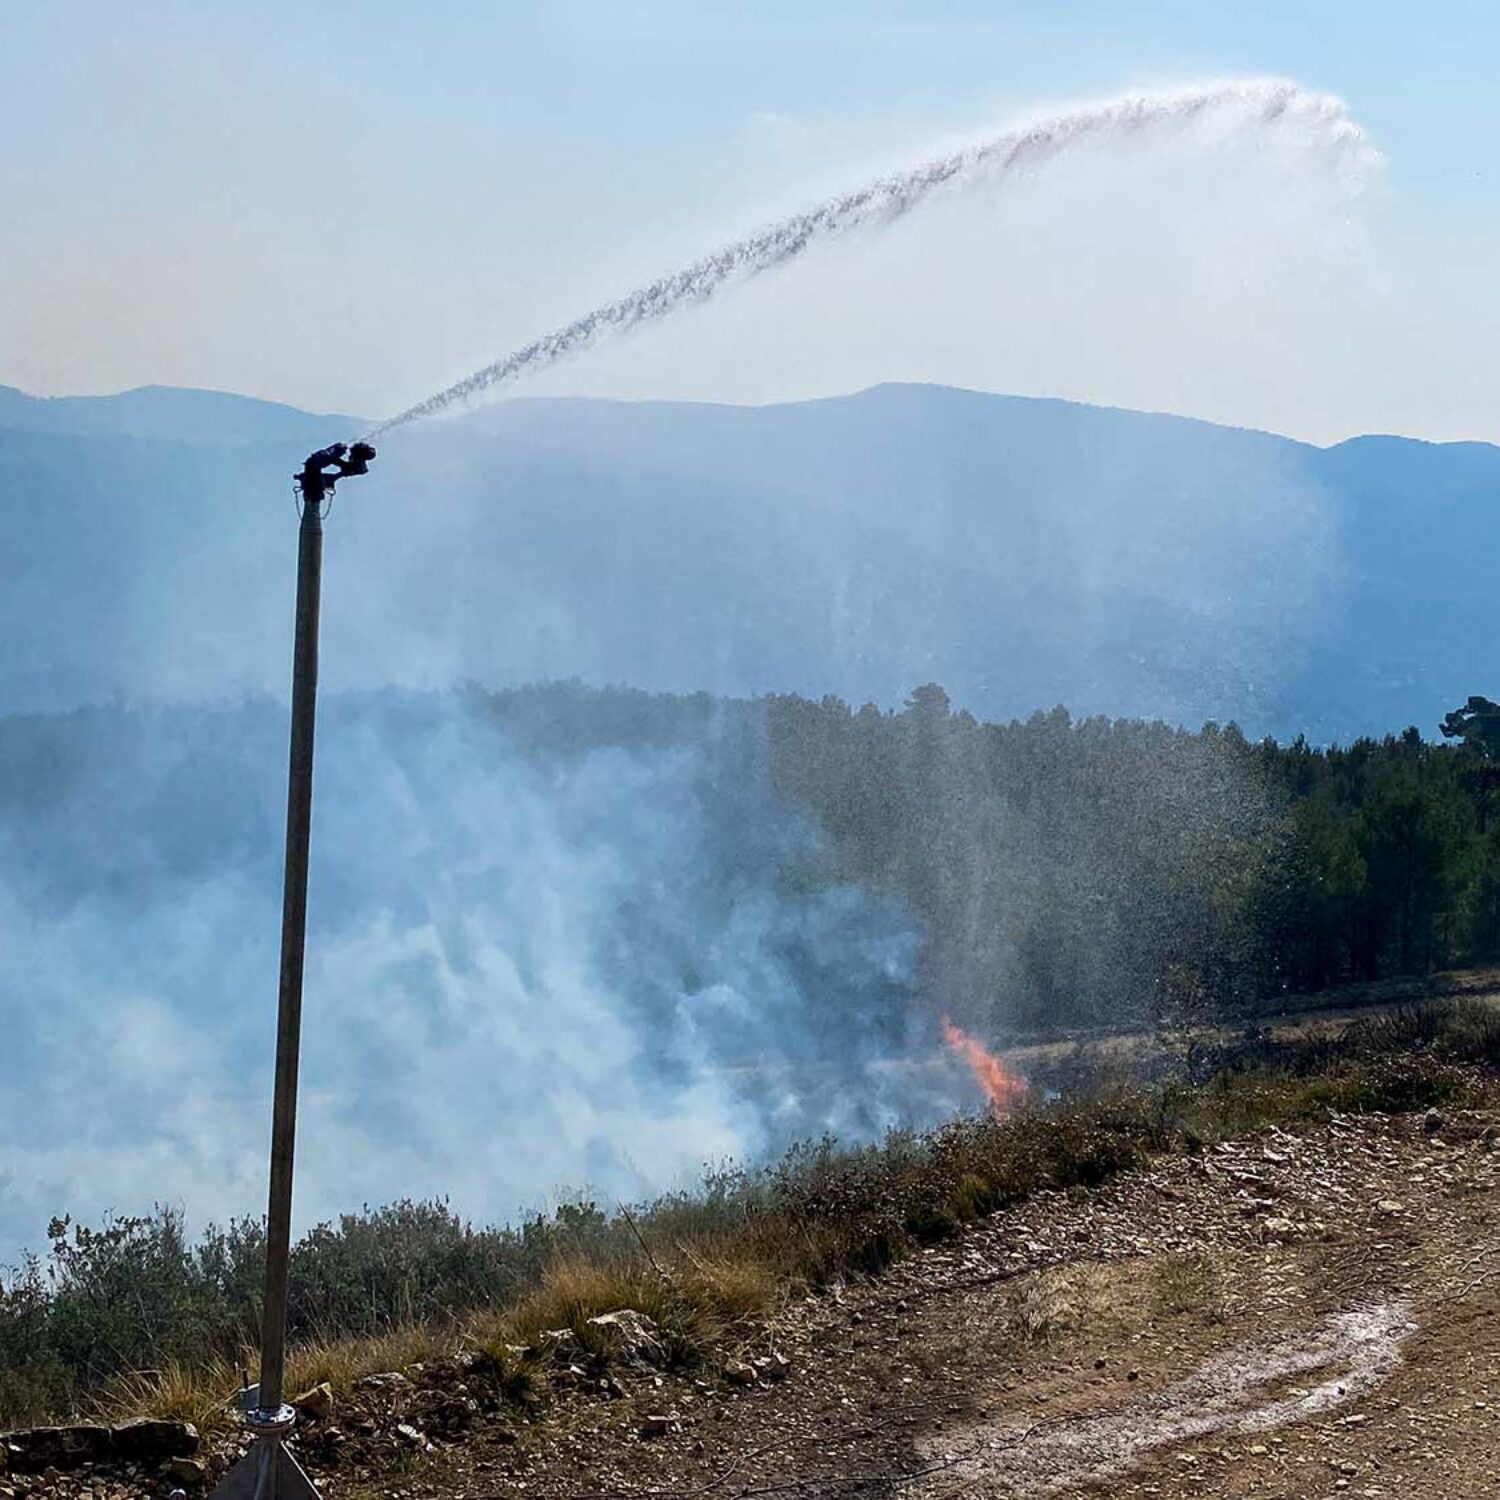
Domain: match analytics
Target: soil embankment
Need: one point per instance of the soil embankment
(1293, 1314)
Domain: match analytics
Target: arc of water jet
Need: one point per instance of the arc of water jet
(1264, 102)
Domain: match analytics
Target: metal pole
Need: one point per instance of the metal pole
(268, 1471)
(293, 943)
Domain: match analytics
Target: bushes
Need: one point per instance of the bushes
(129, 1295)
(408, 1262)
(33, 1379)
(136, 1296)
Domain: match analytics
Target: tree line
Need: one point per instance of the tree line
(1075, 873)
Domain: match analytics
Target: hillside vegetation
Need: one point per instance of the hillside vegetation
(1083, 873)
(132, 1317)
(1063, 875)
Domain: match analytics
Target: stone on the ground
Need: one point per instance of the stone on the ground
(316, 1402)
(191, 1471)
(658, 1424)
(331, 1440)
(737, 1372)
(560, 1345)
(631, 1336)
(152, 1439)
(38, 1448)
(385, 1380)
(447, 1410)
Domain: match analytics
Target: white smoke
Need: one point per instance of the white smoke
(1260, 104)
(528, 974)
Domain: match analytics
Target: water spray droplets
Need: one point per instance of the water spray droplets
(1321, 120)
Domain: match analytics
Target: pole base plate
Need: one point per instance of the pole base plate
(266, 1472)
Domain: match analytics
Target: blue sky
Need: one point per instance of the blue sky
(349, 204)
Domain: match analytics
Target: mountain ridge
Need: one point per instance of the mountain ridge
(161, 411)
(1024, 551)
(12, 399)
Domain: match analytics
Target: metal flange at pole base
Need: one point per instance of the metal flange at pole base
(268, 1471)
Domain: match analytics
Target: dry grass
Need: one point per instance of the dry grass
(1192, 1285)
(732, 1289)
(702, 1297)
(1099, 1301)
(1063, 1301)
(341, 1362)
(698, 1298)
(200, 1394)
(204, 1394)
(573, 1290)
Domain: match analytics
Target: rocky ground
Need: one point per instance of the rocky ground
(1287, 1316)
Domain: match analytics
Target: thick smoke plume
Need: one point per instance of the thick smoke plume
(1254, 104)
(531, 970)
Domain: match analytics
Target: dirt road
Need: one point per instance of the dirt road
(1289, 1316)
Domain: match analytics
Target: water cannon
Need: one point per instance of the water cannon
(269, 1470)
(327, 466)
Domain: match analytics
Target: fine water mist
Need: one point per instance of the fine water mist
(1242, 106)
(532, 969)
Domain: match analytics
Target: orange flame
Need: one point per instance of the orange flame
(1003, 1086)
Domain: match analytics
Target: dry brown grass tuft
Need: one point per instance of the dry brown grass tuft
(341, 1362)
(204, 1394)
(1192, 1285)
(729, 1288)
(1090, 1300)
(573, 1290)
(200, 1394)
(1066, 1300)
(705, 1294)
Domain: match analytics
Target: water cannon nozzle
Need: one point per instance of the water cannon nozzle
(315, 480)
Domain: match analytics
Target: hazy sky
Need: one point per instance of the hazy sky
(348, 205)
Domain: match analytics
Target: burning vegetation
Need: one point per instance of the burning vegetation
(1004, 1088)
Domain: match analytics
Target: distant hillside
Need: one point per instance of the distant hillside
(162, 413)
(1023, 552)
